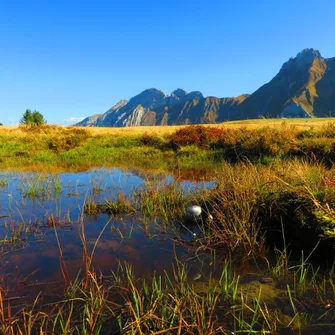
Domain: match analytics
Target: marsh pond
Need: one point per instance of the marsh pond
(114, 251)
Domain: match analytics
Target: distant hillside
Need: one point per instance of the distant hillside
(304, 87)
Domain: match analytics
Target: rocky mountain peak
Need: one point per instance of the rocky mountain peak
(149, 98)
(194, 95)
(119, 105)
(304, 58)
(308, 53)
(179, 92)
(180, 95)
(122, 102)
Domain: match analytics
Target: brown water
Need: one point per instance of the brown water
(32, 262)
(30, 254)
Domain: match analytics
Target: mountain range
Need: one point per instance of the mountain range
(304, 87)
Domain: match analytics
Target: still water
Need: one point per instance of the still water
(31, 252)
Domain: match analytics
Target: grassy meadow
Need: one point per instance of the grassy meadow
(166, 147)
(268, 248)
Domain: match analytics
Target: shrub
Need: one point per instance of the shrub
(307, 134)
(151, 140)
(196, 135)
(66, 142)
(67, 139)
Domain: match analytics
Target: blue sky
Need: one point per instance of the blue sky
(70, 59)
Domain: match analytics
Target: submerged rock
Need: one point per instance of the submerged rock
(196, 214)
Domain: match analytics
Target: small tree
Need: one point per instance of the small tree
(38, 118)
(34, 118)
(27, 118)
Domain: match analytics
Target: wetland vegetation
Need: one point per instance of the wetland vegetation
(168, 148)
(95, 238)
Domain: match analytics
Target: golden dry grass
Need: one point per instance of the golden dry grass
(166, 130)
(250, 124)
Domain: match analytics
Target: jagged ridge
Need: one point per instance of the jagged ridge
(304, 87)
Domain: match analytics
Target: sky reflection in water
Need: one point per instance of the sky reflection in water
(32, 198)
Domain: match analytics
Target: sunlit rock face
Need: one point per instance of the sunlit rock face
(89, 121)
(142, 109)
(111, 116)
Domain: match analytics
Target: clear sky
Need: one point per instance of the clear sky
(74, 58)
